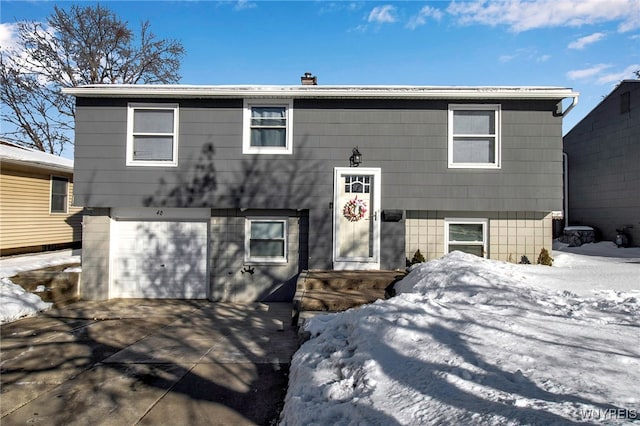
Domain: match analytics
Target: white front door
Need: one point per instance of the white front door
(356, 218)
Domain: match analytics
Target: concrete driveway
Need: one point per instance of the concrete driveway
(156, 362)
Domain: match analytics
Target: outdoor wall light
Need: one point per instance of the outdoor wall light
(356, 158)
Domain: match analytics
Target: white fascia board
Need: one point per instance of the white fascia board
(37, 164)
(335, 92)
(18, 155)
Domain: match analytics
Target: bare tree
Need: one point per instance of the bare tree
(78, 46)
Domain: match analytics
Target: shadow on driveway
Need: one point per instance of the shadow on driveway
(126, 362)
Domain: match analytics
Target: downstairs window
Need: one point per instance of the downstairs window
(265, 240)
(466, 235)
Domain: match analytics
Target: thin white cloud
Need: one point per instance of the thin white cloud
(7, 37)
(359, 29)
(339, 6)
(383, 14)
(583, 42)
(244, 5)
(587, 72)
(525, 54)
(596, 74)
(507, 58)
(614, 77)
(15, 53)
(421, 18)
(523, 15)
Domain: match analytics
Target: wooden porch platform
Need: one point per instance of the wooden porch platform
(333, 291)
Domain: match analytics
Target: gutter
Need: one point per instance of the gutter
(37, 164)
(335, 92)
(574, 102)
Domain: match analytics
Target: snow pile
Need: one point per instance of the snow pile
(473, 341)
(11, 266)
(17, 303)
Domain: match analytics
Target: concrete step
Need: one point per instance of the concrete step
(334, 291)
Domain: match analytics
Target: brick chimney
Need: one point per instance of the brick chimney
(308, 79)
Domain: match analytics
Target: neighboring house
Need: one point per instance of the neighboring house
(228, 192)
(603, 153)
(36, 212)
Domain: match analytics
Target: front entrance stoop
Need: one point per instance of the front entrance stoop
(324, 291)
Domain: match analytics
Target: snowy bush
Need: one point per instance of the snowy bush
(544, 258)
(417, 258)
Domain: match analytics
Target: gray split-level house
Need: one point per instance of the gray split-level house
(603, 162)
(229, 192)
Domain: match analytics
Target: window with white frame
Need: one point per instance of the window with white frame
(467, 235)
(265, 240)
(267, 127)
(474, 136)
(59, 194)
(152, 135)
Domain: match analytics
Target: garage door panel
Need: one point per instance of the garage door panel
(155, 259)
(124, 269)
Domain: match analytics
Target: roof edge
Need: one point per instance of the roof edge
(11, 153)
(605, 99)
(346, 92)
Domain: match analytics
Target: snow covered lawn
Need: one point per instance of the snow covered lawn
(15, 302)
(475, 341)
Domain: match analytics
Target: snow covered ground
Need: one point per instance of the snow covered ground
(474, 341)
(466, 341)
(15, 303)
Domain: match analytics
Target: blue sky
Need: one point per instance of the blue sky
(587, 45)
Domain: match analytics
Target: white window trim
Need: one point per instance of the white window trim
(464, 221)
(498, 135)
(248, 259)
(66, 198)
(164, 163)
(246, 127)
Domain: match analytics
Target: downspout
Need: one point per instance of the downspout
(565, 169)
(565, 165)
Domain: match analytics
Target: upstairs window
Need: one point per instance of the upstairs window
(266, 240)
(267, 128)
(474, 136)
(59, 194)
(152, 135)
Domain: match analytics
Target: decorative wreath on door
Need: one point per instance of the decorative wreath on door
(354, 210)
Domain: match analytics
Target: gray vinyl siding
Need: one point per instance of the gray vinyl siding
(604, 174)
(232, 279)
(406, 139)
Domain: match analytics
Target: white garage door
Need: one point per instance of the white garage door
(157, 259)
